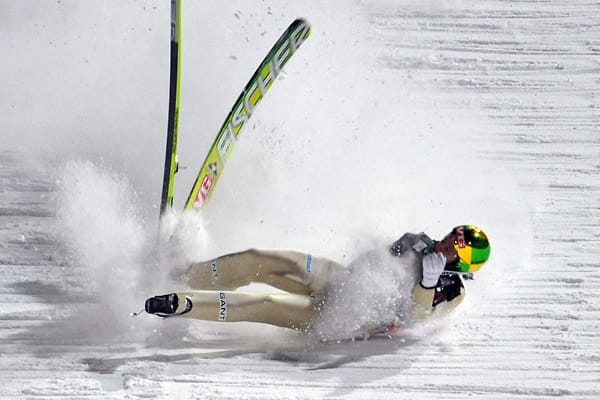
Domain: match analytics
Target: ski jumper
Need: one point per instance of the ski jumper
(304, 280)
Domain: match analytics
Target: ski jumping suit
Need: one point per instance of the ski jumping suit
(303, 278)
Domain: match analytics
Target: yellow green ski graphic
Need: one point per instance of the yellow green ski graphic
(242, 110)
(171, 149)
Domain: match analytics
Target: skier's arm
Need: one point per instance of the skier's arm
(411, 241)
(423, 299)
(424, 302)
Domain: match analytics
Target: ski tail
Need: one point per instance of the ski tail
(242, 110)
(172, 124)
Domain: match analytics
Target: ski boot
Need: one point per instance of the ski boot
(167, 305)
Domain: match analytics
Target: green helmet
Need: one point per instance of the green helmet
(472, 246)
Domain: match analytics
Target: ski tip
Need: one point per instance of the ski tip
(302, 22)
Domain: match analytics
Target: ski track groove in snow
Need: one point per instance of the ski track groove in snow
(532, 68)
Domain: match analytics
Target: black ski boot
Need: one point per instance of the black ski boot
(166, 305)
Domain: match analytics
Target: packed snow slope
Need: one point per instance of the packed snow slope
(394, 116)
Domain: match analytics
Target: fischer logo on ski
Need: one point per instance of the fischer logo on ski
(242, 110)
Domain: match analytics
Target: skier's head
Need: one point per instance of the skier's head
(472, 247)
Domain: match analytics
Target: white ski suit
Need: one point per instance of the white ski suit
(304, 280)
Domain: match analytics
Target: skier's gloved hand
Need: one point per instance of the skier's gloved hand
(433, 266)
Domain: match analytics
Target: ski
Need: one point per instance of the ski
(171, 148)
(242, 110)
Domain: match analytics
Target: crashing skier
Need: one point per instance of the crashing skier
(312, 288)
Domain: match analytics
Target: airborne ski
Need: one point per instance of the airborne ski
(171, 148)
(242, 110)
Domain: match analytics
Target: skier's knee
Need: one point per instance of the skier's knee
(270, 299)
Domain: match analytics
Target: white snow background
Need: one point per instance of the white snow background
(393, 116)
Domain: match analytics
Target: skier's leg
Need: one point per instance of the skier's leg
(284, 310)
(289, 270)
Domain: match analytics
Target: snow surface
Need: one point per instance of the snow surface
(394, 116)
